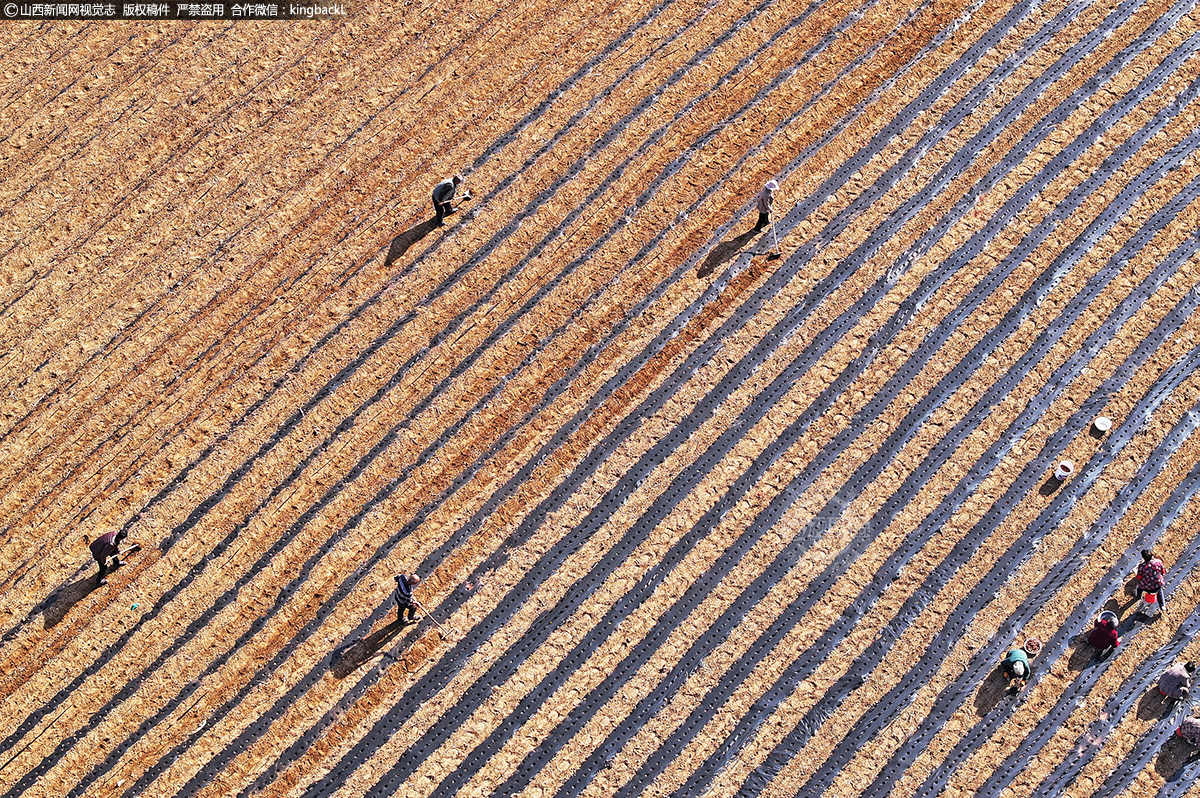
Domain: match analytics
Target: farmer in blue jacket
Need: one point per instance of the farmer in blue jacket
(404, 597)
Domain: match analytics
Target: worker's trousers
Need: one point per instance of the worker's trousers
(400, 609)
(442, 210)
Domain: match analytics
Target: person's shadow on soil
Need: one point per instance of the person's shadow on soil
(722, 253)
(1134, 598)
(1154, 705)
(992, 691)
(402, 242)
(1130, 594)
(59, 603)
(1084, 655)
(1174, 756)
(1050, 485)
(350, 657)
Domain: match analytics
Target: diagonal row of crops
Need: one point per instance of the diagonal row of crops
(697, 521)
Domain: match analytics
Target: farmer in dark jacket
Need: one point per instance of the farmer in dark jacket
(443, 196)
(104, 547)
(404, 596)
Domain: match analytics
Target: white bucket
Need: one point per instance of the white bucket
(1102, 423)
(1065, 469)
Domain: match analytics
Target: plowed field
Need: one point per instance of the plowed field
(698, 510)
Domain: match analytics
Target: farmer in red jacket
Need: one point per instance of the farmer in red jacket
(1104, 637)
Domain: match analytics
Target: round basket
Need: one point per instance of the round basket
(1032, 646)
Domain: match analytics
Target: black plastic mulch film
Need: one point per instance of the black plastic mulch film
(1054, 387)
(360, 753)
(1178, 258)
(431, 743)
(985, 662)
(582, 777)
(719, 629)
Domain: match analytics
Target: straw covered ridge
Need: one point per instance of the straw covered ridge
(698, 509)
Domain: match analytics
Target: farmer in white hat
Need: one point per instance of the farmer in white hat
(764, 201)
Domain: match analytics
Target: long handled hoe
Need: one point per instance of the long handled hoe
(775, 238)
(445, 633)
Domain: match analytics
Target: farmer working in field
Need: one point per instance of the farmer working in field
(1176, 681)
(1189, 730)
(765, 201)
(1016, 669)
(104, 547)
(443, 196)
(1104, 637)
(404, 597)
(1150, 575)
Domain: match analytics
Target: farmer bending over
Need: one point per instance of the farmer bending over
(1176, 681)
(1189, 730)
(1016, 669)
(1104, 637)
(104, 547)
(443, 196)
